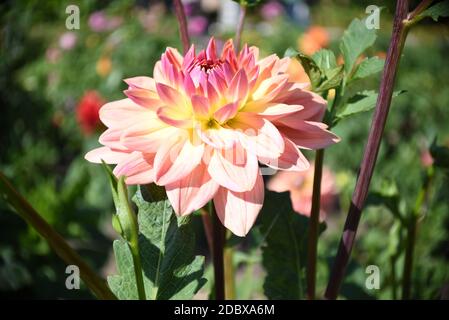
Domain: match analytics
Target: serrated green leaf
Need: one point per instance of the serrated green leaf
(362, 102)
(310, 67)
(124, 284)
(441, 9)
(356, 39)
(284, 251)
(368, 67)
(387, 196)
(325, 59)
(171, 269)
(333, 79)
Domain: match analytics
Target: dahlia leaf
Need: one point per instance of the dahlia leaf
(362, 102)
(441, 9)
(325, 59)
(356, 39)
(285, 248)
(167, 247)
(333, 79)
(124, 284)
(368, 67)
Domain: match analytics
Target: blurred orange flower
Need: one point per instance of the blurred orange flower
(300, 186)
(103, 66)
(314, 39)
(87, 111)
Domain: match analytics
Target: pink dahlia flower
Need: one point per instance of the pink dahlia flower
(300, 186)
(203, 123)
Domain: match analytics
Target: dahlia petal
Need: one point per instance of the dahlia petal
(258, 135)
(238, 211)
(148, 137)
(200, 105)
(226, 112)
(314, 105)
(176, 160)
(122, 113)
(144, 98)
(170, 96)
(222, 138)
(107, 155)
(238, 88)
(270, 88)
(173, 117)
(141, 83)
(211, 51)
(137, 168)
(310, 135)
(291, 159)
(272, 110)
(234, 168)
(111, 138)
(191, 192)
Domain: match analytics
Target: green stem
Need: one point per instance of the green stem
(96, 284)
(229, 273)
(412, 225)
(134, 246)
(217, 254)
(314, 224)
(393, 277)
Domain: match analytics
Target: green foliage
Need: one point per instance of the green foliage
(170, 268)
(284, 252)
(362, 102)
(249, 3)
(368, 67)
(441, 9)
(356, 39)
(440, 155)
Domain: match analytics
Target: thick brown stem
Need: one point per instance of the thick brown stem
(314, 225)
(371, 150)
(182, 21)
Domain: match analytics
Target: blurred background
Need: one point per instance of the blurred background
(54, 80)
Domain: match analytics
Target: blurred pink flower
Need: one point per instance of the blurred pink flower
(271, 10)
(99, 22)
(52, 55)
(202, 124)
(300, 186)
(426, 159)
(67, 41)
(197, 25)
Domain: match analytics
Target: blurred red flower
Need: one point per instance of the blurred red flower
(87, 111)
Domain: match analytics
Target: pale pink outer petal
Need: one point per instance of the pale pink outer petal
(123, 113)
(137, 168)
(191, 192)
(258, 135)
(272, 110)
(310, 135)
(147, 136)
(107, 155)
(141, 82)
(176, 160)
(291, 159)
(238, 211)
(111, 138)
(234, 168)
(314, 105)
